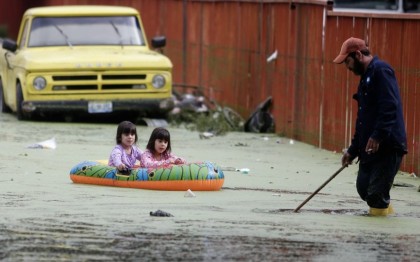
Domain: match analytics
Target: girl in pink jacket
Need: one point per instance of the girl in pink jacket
(158, 151)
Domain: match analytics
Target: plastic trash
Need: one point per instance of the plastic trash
(160, 213)
(243, 170)
(48, 144)
(261, 120)
(206, 135)
(189, 193)
(272, 57)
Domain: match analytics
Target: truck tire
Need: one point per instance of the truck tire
(19, 100)
(4, 107)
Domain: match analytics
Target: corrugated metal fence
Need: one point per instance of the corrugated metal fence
(223, 46)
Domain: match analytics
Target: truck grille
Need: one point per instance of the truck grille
(74, 78)
(118, 77)
(99, 82)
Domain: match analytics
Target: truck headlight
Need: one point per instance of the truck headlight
(39, 83)
(158, 81)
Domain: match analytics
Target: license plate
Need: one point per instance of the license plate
(100, 107)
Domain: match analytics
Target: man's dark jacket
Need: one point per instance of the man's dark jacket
(379, 113)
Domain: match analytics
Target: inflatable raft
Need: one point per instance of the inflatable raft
(204, 176)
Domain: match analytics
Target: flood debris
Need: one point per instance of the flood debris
(206, 135)
(196, 112)
(189, 193)
(272, 57)
(47, 144)
(261, 120)
(160, 213)
(244, 170)
(217, 121)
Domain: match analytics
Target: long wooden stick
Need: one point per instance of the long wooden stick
(319, 188)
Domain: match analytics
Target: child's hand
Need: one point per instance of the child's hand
(121, 167)
(178, 161)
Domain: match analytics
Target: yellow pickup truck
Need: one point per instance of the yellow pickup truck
(84, 59)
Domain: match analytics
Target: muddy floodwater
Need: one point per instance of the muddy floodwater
(44, 216)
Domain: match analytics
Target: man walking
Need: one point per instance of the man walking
(379, 140)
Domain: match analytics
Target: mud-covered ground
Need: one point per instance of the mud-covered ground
(45, 217)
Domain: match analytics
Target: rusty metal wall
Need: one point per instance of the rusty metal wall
(223, 46)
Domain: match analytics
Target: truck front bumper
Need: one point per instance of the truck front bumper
(146, 107)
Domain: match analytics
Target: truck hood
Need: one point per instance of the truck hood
(100, 58)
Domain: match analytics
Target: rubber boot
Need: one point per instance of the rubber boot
(390, 210)
(379, 212)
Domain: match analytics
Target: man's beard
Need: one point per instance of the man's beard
(358, 68)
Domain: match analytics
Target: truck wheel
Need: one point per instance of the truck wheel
(19, 100)
(4, 107)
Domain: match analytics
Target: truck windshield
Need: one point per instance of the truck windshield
(76, 31)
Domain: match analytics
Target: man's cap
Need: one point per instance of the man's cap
(350, 45)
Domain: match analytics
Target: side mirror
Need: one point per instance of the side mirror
(9, 45)
(158, 41)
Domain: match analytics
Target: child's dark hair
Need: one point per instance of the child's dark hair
(159, 133)
(126, 127)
